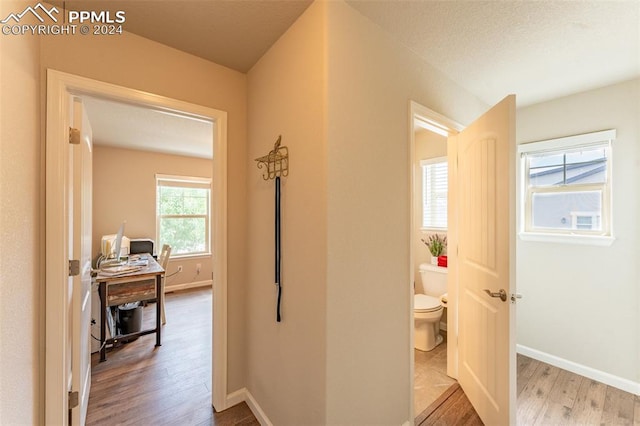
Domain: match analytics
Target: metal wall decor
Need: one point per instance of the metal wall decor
(276, 164)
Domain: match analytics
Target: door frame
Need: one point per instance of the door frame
(60, 86)
(420, 114)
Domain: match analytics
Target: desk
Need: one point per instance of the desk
(143, 284)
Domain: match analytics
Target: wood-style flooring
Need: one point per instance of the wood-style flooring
(548, 395)
(450, 408)
(140, 384)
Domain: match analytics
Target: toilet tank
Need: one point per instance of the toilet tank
(434, 279)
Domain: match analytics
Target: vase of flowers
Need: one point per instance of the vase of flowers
(436, 244)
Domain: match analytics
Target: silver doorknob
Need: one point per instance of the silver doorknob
(502, 294)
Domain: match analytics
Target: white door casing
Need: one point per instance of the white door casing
(484, 234)
(60, 88)
(81, 208)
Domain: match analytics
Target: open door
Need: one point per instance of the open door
(484, 193)
(80, 200)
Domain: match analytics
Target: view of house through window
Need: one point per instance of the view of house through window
(183, 214)
(567, 185)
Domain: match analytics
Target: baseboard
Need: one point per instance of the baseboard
(244, 395)
(591, 373)
(185, 286)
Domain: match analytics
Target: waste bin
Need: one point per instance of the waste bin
(129, 319)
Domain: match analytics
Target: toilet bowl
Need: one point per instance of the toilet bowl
(427, 311)
(428, 308)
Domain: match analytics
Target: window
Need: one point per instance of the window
(566, 185)
(434, 193)
(183, 214)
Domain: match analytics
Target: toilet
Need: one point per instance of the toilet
(428, 307)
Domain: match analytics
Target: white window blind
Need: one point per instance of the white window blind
(434, 193)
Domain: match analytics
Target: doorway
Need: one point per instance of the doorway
(61, 87)
(435, 370)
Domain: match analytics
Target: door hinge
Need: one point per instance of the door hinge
(74, 136)
(74, 268)
(73, 399)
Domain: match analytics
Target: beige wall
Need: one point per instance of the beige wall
(370, 81)
(286, 361)
(581, 303)
(132, 197)
(21, 343)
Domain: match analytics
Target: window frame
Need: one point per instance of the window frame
(186, 182)
(423, 164)
(604, 236)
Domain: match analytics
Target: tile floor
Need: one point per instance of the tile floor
(430, 376)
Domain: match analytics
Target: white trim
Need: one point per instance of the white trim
(591, 373)
(183, 179)
(590, 240)
(428, 161)
(525, 228)
(243, 394)
(185, 286)
(60, 86)
(586, 139)
(418, 115)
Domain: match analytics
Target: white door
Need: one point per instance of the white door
(485, 233)
(81, 177)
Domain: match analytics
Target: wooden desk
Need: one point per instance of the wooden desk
(140, 285)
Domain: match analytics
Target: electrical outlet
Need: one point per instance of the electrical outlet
(179, 268)
(198, 267)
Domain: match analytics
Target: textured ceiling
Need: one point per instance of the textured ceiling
(538, 50)
(132, 127)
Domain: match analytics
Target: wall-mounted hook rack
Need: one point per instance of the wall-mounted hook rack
(276, 162)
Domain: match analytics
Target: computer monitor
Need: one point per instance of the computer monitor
(118, 242)
(112, 247)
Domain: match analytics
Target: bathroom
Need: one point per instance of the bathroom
(429, 231)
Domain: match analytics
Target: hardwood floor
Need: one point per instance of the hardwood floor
(450, 408)
(169, 385)
(548, 395)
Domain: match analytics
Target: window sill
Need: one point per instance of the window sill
(441, 230)
(589, 240)
(189, 256)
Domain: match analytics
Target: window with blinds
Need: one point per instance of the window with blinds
(434, 193)
(183, 214)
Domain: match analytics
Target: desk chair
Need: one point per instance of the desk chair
(163, 260)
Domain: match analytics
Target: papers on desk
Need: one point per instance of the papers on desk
(137, 260)
(115, 271)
